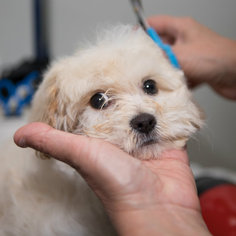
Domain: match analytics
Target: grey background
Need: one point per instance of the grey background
(74, 21)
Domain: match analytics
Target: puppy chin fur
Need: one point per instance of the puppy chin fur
(46, 197)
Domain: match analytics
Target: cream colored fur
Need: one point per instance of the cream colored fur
(46, 197)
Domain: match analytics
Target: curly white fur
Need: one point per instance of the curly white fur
(45, 197)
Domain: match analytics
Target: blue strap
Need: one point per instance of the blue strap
(165, 47)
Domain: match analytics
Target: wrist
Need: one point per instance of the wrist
(230, 62)
(163, 220)
(224, 81)
(226, 58)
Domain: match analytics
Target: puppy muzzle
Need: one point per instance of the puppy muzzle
(145, 126)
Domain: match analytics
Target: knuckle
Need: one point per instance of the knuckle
(41, 141)
(188, 20)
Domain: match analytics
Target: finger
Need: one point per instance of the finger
(50, 141)
(227, 92)
(193, 84)
(164, 25)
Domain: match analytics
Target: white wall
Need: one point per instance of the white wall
(73, 21)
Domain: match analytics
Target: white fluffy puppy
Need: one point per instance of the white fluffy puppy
(121, 89)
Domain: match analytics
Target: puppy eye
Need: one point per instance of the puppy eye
(149, 87)
(99, 101)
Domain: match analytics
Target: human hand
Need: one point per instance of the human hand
(204, 56)
(155, 197)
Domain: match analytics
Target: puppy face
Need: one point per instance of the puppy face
(122, 90)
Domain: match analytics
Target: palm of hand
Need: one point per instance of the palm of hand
(176, 186)
(166, 181)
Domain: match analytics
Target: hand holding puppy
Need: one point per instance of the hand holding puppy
(205, 56)
(154, 197)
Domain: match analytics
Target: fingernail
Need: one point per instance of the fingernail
(22, 143)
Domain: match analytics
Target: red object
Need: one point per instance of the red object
(219, 209)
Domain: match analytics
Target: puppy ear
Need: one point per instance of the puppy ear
(45, 102)
(51, 111)
(50, 105)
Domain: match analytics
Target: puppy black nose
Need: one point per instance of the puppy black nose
(143, 123)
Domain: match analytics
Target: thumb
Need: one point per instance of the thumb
(97, 161)
(63, 146)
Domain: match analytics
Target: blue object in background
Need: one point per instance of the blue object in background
(13, 98)
(18, 84)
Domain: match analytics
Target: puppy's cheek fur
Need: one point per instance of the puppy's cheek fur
(111, 125)
(187, 121)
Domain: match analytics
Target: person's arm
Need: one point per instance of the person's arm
(155, 197)
(204, 56)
